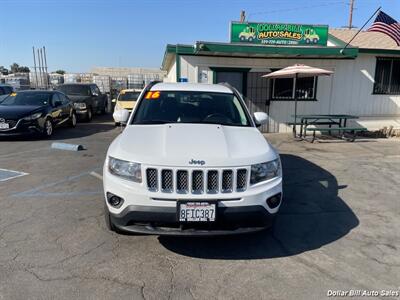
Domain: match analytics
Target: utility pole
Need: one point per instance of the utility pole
(45, 67)
(40, 69)
(242, 16)
(351, 14)
(34, 66)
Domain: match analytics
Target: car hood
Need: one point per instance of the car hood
(127, 104)
(177, 144)
(76, 98)
(16, 112)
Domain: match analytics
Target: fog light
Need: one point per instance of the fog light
(274, 201)
(114, 200)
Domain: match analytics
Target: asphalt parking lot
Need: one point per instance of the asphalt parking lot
(338, 228)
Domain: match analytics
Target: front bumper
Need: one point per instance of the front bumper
(24, 128)
(163, 221)
(143, 211)
(81, 113)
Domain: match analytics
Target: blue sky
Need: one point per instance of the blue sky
(80, 34)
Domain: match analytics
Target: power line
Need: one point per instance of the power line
(296, 8)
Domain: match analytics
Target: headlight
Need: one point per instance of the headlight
(125, 169)
(33, 117)
(80, 105)
(117, 107)
(265, 171)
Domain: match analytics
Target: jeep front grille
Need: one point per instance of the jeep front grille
(167, 181)
(196, 181)
(241, 179)
(152, 179)
(182, 181)
(227, 181)
(212, 182)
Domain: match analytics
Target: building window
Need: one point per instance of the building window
(387, 76)
(283, 88)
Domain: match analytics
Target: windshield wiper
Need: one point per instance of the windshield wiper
(149, 122)
(217, 123)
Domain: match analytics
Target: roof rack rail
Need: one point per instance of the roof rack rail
(150, 85)
(229, 86)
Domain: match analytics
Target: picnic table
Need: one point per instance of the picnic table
(339, 120)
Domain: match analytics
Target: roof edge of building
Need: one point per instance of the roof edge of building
(251, 50)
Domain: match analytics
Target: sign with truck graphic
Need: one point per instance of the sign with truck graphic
(279, 34)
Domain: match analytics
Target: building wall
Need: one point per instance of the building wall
(348, 91)
(171, 74)
(119, 71)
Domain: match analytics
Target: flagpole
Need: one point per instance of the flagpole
(379, 8)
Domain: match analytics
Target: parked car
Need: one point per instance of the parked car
(38, 112)
(5, 90)
(191, 161)
(86, 97)
(126, 100)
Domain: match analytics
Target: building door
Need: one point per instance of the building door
(235, 79)
(258, 95)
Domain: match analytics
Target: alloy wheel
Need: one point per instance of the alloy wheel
(73, 120)
(48, 128)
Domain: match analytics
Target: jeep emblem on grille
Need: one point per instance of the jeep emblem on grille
(2, 120)
(197, 162)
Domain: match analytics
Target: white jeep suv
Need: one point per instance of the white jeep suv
(191, 162)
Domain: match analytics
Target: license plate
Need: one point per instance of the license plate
(4, 126)
(197, 211)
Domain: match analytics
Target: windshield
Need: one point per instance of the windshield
(191, 107)
(2, 97)
(75, 90)
(27, 98)
(128, 96)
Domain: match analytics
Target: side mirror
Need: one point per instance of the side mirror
(57, 103)
(121, 116)
(95, 94)
(114, 100)
(260, 118)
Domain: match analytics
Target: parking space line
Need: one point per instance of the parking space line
(62, 194)
(47, 185)
(22, 152)
(97, 175)
(11, 174)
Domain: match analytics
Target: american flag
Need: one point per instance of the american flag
(386, 24)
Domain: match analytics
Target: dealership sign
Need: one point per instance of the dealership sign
(279, 34)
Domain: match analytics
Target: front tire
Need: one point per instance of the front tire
(48, 128)
(73, 120)
(89, 115)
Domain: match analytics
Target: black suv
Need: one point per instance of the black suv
(86, 97)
